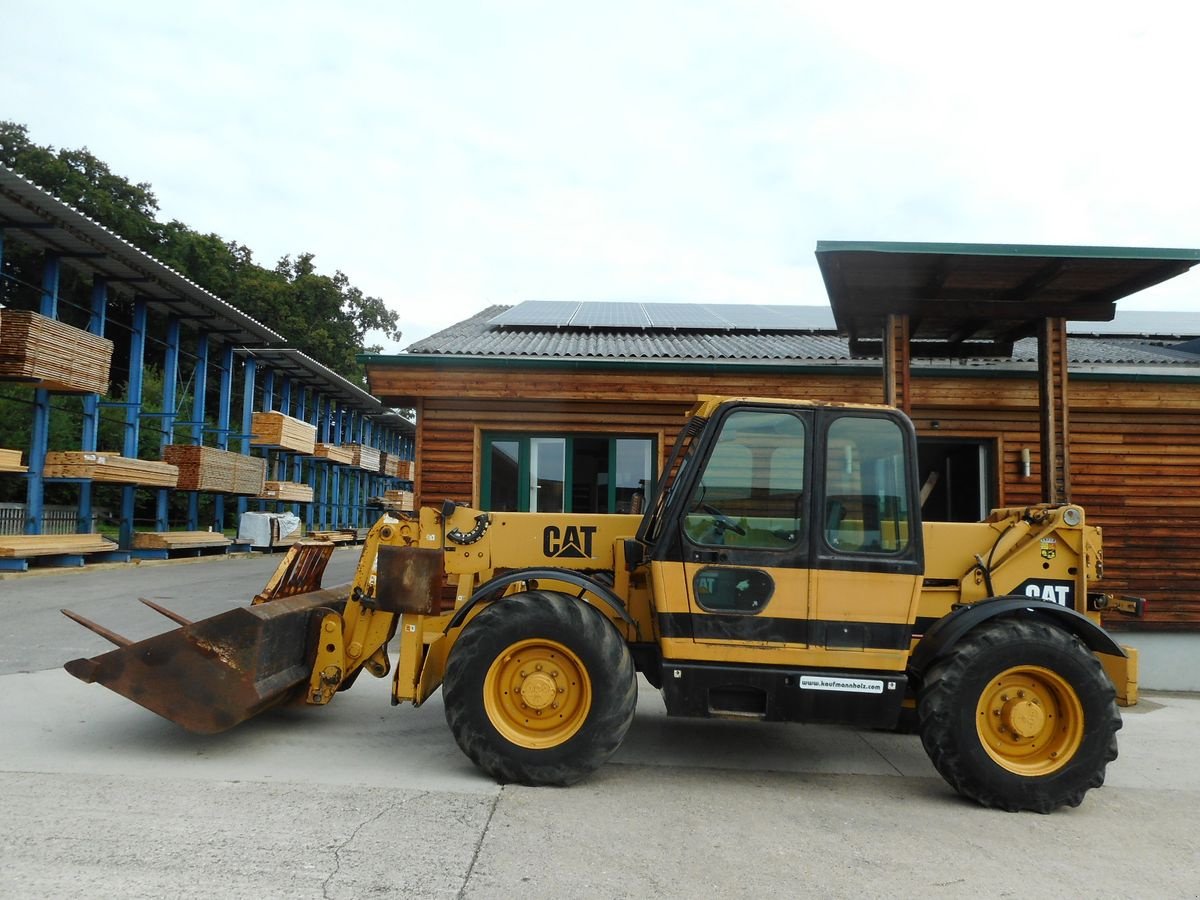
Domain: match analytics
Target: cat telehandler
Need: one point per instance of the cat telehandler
(781, 572)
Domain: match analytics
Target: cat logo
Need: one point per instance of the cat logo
(572, 542)
(1049, 547)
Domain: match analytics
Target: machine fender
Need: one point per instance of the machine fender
(948, 630)
(495, 587)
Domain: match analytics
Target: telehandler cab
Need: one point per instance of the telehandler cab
(781, 572)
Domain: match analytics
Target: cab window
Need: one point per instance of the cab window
(866, 487)
(751, 493)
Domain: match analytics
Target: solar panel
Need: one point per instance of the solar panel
(570, 314)
(547, 313)
(682, 315)
(610, 315)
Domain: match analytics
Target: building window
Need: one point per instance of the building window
(560, 473)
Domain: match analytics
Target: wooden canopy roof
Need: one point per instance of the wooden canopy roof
(968, 300)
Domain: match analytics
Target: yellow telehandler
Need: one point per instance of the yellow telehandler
(781, 572)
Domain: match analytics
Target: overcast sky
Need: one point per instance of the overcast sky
(447, 156)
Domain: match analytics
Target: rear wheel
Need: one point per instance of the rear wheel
(539, 689)
(1020, 716)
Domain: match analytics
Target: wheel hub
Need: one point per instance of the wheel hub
(1023, 717)
(538, 690)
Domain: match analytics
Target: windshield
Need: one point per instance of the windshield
(681, 456)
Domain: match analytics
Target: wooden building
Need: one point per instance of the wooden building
(574, 406)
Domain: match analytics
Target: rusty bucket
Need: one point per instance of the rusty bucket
(211, 674)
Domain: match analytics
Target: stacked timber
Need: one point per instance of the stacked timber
(53, 354)
(19, 546)
(364, 457)
(334, 453)
(178, 540)
(216, 471)
(110, 468)
(395, 467)
(10, 461)
(399, 500)
(280, 432)
(287, 492)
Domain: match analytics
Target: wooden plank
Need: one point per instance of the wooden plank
(275, 430)
(178, 540)
(10, 461)
(334, 453)
(110, 468)
(53, 354)
(216, 471)
(287, 492)
(19, 546)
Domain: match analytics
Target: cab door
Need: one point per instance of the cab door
(867, 552)
(745, 538)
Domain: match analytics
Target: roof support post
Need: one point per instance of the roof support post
(35, 488)
(133, 413)
(199, 392)
(1052, 410)
(224, 401)
(91, 405)
(170, 405)
(897, 377)
(249, 367)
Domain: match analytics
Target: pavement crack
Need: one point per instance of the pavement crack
(462, 891)
(337, 851)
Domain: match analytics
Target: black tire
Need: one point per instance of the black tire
(550, 649)
(1020, 716)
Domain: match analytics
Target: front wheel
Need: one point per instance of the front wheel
(539, 689)
(1020, 716)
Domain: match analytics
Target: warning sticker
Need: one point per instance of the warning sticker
(846, 685)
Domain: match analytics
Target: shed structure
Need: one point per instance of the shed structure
(574, 406)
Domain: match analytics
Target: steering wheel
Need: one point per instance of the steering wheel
(722, 521)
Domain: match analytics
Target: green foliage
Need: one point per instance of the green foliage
(325, 316)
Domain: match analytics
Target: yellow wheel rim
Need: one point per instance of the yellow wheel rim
(537, 694)
(1030, 720)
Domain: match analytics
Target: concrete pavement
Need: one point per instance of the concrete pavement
(361, 799)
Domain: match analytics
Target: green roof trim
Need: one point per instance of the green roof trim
(1013, 250)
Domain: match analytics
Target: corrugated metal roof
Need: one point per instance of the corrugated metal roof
(45, 222)
(479, 337)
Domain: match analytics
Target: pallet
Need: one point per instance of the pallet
(52, 354)
(110, 468)
(216, 471)
(335, 454)
(10, 461)
(279, 432)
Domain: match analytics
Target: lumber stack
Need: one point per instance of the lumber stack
(334, 453)
(364, 457)
(10, 461)
(110, 468)
(340, 536)
(401, 500)
(53, 354)
(178, 540)
(216, 471)
(18, 546)
(280, 432)
(396, 467)
(287, 492)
